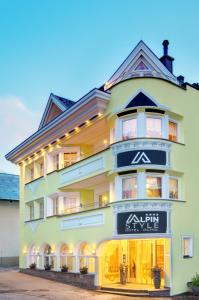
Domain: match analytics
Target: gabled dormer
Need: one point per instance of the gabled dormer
(142, 62)
(56, 105)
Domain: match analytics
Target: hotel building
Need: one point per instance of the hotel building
(111, 179)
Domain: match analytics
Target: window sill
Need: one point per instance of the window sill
(147, 138)
(151, 199)
(34, 180)
(33, 220)
(187, 256)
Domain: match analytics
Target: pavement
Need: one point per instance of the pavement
(18, 286)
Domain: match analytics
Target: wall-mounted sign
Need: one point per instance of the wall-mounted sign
(142, 222)
(141, 157)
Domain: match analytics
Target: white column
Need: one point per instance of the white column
(77, 263)
(141, 183)
(118, 188)
(118, 130)
(112, 191)
(58, 262)
(165, 186)
(165, 126)
(141, 124)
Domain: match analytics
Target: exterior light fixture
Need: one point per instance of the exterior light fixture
(100, 114)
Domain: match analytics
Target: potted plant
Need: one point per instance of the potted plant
(83, 270)
(64, 268)
(32, 266)
(47, 267)
(194, 284)
(156, 272)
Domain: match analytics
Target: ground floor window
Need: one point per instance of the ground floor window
(187, 247)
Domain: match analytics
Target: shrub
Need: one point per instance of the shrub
(32, 266)
(195, 280)
(84, 270)
(47, 267)
(64, 268)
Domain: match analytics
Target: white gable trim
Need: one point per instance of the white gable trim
(140, 49)
(52, 100)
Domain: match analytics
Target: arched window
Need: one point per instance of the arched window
(49, 256)
(66, 257)
(87, 257)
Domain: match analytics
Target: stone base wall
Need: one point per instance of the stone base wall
(86, 281)
(12, 261)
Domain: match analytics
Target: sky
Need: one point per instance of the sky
(69, 47)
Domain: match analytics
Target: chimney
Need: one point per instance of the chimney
(180, 79)
(166, 59)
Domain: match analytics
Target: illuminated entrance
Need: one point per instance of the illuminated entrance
(139, 256)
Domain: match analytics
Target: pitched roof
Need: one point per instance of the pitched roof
(141, 62)
(9, 187)
(56, 105)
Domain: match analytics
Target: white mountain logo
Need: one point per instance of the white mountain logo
(141, 156)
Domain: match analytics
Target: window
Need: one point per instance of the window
(71, 203)
(103, 200)
(70, 158)
(153, 127)
(55, 206)
(129, 188)
(41, 169)
(173, 131)
(56, 162)
(187, 247)
(31, 211)
(41, 209)
(129, 129)
(154, 186)
(173, 188)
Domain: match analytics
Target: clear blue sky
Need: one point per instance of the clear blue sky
(69, 47)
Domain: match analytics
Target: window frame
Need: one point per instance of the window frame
(154, 116)
(129, 118)
(179, 189)
(129, 177)
(148, 174)
(178, 130)
(190, 238)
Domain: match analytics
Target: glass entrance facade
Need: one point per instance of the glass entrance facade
(138, 256)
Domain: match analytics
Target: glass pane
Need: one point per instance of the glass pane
(173, 188)
(91, 265)
(129, 188)
(70, 204)
(154, 187)
(153, 127)
(70, 158)
(172, 131)
(129, 129)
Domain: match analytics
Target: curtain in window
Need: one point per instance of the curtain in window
(172, 131)
(173, 188)
(153, 127)
(154, 187)
(129, 188)
(129, 129)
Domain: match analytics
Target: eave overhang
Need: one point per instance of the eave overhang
(91, 104)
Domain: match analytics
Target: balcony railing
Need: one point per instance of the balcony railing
(84, 207)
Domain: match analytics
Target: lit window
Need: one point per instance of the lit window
(173, 188)
(56, 161)
(173, 129)
(154, 187)
(70, 158)
(129, 129)
(129, 188)
(153, 127)
(41, 169)
(187, 247)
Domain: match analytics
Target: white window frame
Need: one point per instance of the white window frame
(154, 116)
(163, 179)
(179, 188)
(178, 129)
(127, 177)
(190, 238)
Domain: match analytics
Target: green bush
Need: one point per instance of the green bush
(32, 266)
(64, 268)
(195, 280)
(84, 270)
